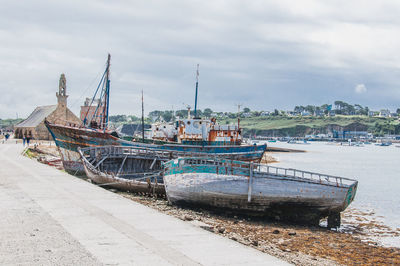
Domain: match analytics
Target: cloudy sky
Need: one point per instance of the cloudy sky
(262, 54)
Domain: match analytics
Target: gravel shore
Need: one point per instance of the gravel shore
(301, 245)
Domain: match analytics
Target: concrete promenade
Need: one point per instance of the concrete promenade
(48, 217)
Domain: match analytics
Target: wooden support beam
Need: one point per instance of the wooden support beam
(250, 188)
(122, 164)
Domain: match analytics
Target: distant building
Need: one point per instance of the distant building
(331, 113)
(351, 134)
(215, 114)
(385, 113)
(265, 113)
(132, 129)
(34, 126)
(291, 113)
(88, 112)
(305, 113)
(319, 113)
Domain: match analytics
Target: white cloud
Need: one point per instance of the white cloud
(360, 88)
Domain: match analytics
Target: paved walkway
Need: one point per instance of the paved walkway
(49, 217)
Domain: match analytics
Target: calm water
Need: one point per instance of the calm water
(376, 168)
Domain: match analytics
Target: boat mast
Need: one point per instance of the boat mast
(238, 116)
(142, 118)
(107, 94)
(197, 86)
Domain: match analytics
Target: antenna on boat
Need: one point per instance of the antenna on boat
(142, 118)
(188, 107)
(197, 86)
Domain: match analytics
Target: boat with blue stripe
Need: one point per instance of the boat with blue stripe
(258, 189)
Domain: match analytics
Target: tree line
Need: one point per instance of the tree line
(339, 107)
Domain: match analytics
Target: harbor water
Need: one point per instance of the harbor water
(376, 168)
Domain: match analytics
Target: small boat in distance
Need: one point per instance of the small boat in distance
(383, 144)
(294, 141)
(293, 195)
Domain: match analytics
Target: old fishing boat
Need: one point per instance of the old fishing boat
(193, 130)
(94, 132)
(286, 194)
(125, 168)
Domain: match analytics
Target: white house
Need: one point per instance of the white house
(385, 113)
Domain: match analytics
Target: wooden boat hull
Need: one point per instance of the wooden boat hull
(109, 166)
(292, 199)
(123, 184)
(68, 139)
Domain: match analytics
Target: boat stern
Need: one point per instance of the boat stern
(351, 193)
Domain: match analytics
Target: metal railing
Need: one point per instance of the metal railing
(258, 170)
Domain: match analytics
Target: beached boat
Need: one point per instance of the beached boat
(285, 194)
(94, 132)
(131, 169)
(125, 168)
(383, 144)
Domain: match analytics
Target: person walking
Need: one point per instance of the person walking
(28, 139)
(23, 140)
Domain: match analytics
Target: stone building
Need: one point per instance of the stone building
(90, 112)
(34, 126)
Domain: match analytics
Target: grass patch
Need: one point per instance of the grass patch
(376, 125)
(30, 154)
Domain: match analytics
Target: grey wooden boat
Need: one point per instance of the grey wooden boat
(125, 168)
(284, 194)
